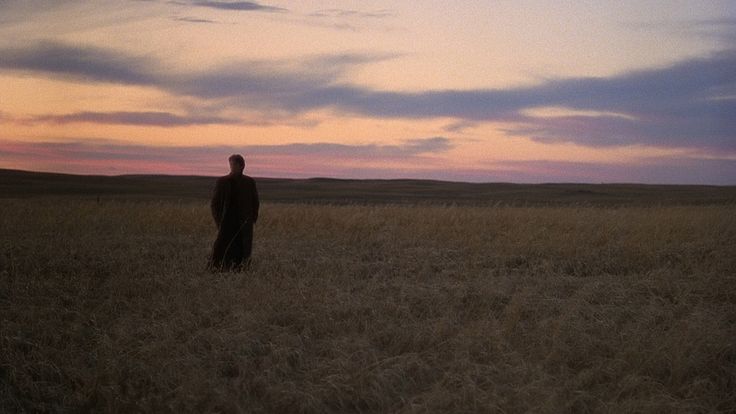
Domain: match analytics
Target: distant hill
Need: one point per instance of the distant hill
(25, 184)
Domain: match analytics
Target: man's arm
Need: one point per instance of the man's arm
(256, 202)
(217, 204)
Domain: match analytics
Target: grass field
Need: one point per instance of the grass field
(368, 308)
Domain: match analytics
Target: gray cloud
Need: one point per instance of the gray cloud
(160, 119)
(676, 170)
(713, 131)
(690, 104)
(192, 20)
(459, 126)
(687, 104)
(233, 5)
(82, 63)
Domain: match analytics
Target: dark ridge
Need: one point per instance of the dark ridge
(25, 184)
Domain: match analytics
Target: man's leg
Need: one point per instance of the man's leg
(234, 255)
(218, 254)
(247, 243)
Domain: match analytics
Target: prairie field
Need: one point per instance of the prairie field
(107, 307)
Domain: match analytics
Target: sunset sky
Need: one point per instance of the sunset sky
(514, 91)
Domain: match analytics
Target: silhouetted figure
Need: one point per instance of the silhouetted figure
(235, 210)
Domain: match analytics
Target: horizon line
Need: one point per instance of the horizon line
(367, 179)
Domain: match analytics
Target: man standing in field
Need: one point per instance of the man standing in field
(235, 210)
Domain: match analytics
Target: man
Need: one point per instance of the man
(235, 210)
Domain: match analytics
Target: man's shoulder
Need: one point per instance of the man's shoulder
(227, 179)
(222, 180)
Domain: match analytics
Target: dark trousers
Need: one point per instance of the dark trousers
(233, 247)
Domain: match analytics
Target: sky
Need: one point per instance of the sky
(484, 91)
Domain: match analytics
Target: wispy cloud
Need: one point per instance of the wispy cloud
(90, 64)
(459, 126)
(725, 22)
(373, 152)
(343, 13)
(160, 119)
(302, 159)
(232, 5)
(115, 149)
(157, 119)
(688, 104)
(346, 19)
(721, 29)
(193, 20)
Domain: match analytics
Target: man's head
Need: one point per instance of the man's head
(237, 164)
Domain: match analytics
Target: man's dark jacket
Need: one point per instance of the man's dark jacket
(235, 209)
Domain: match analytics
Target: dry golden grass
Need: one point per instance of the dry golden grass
(369, 309)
